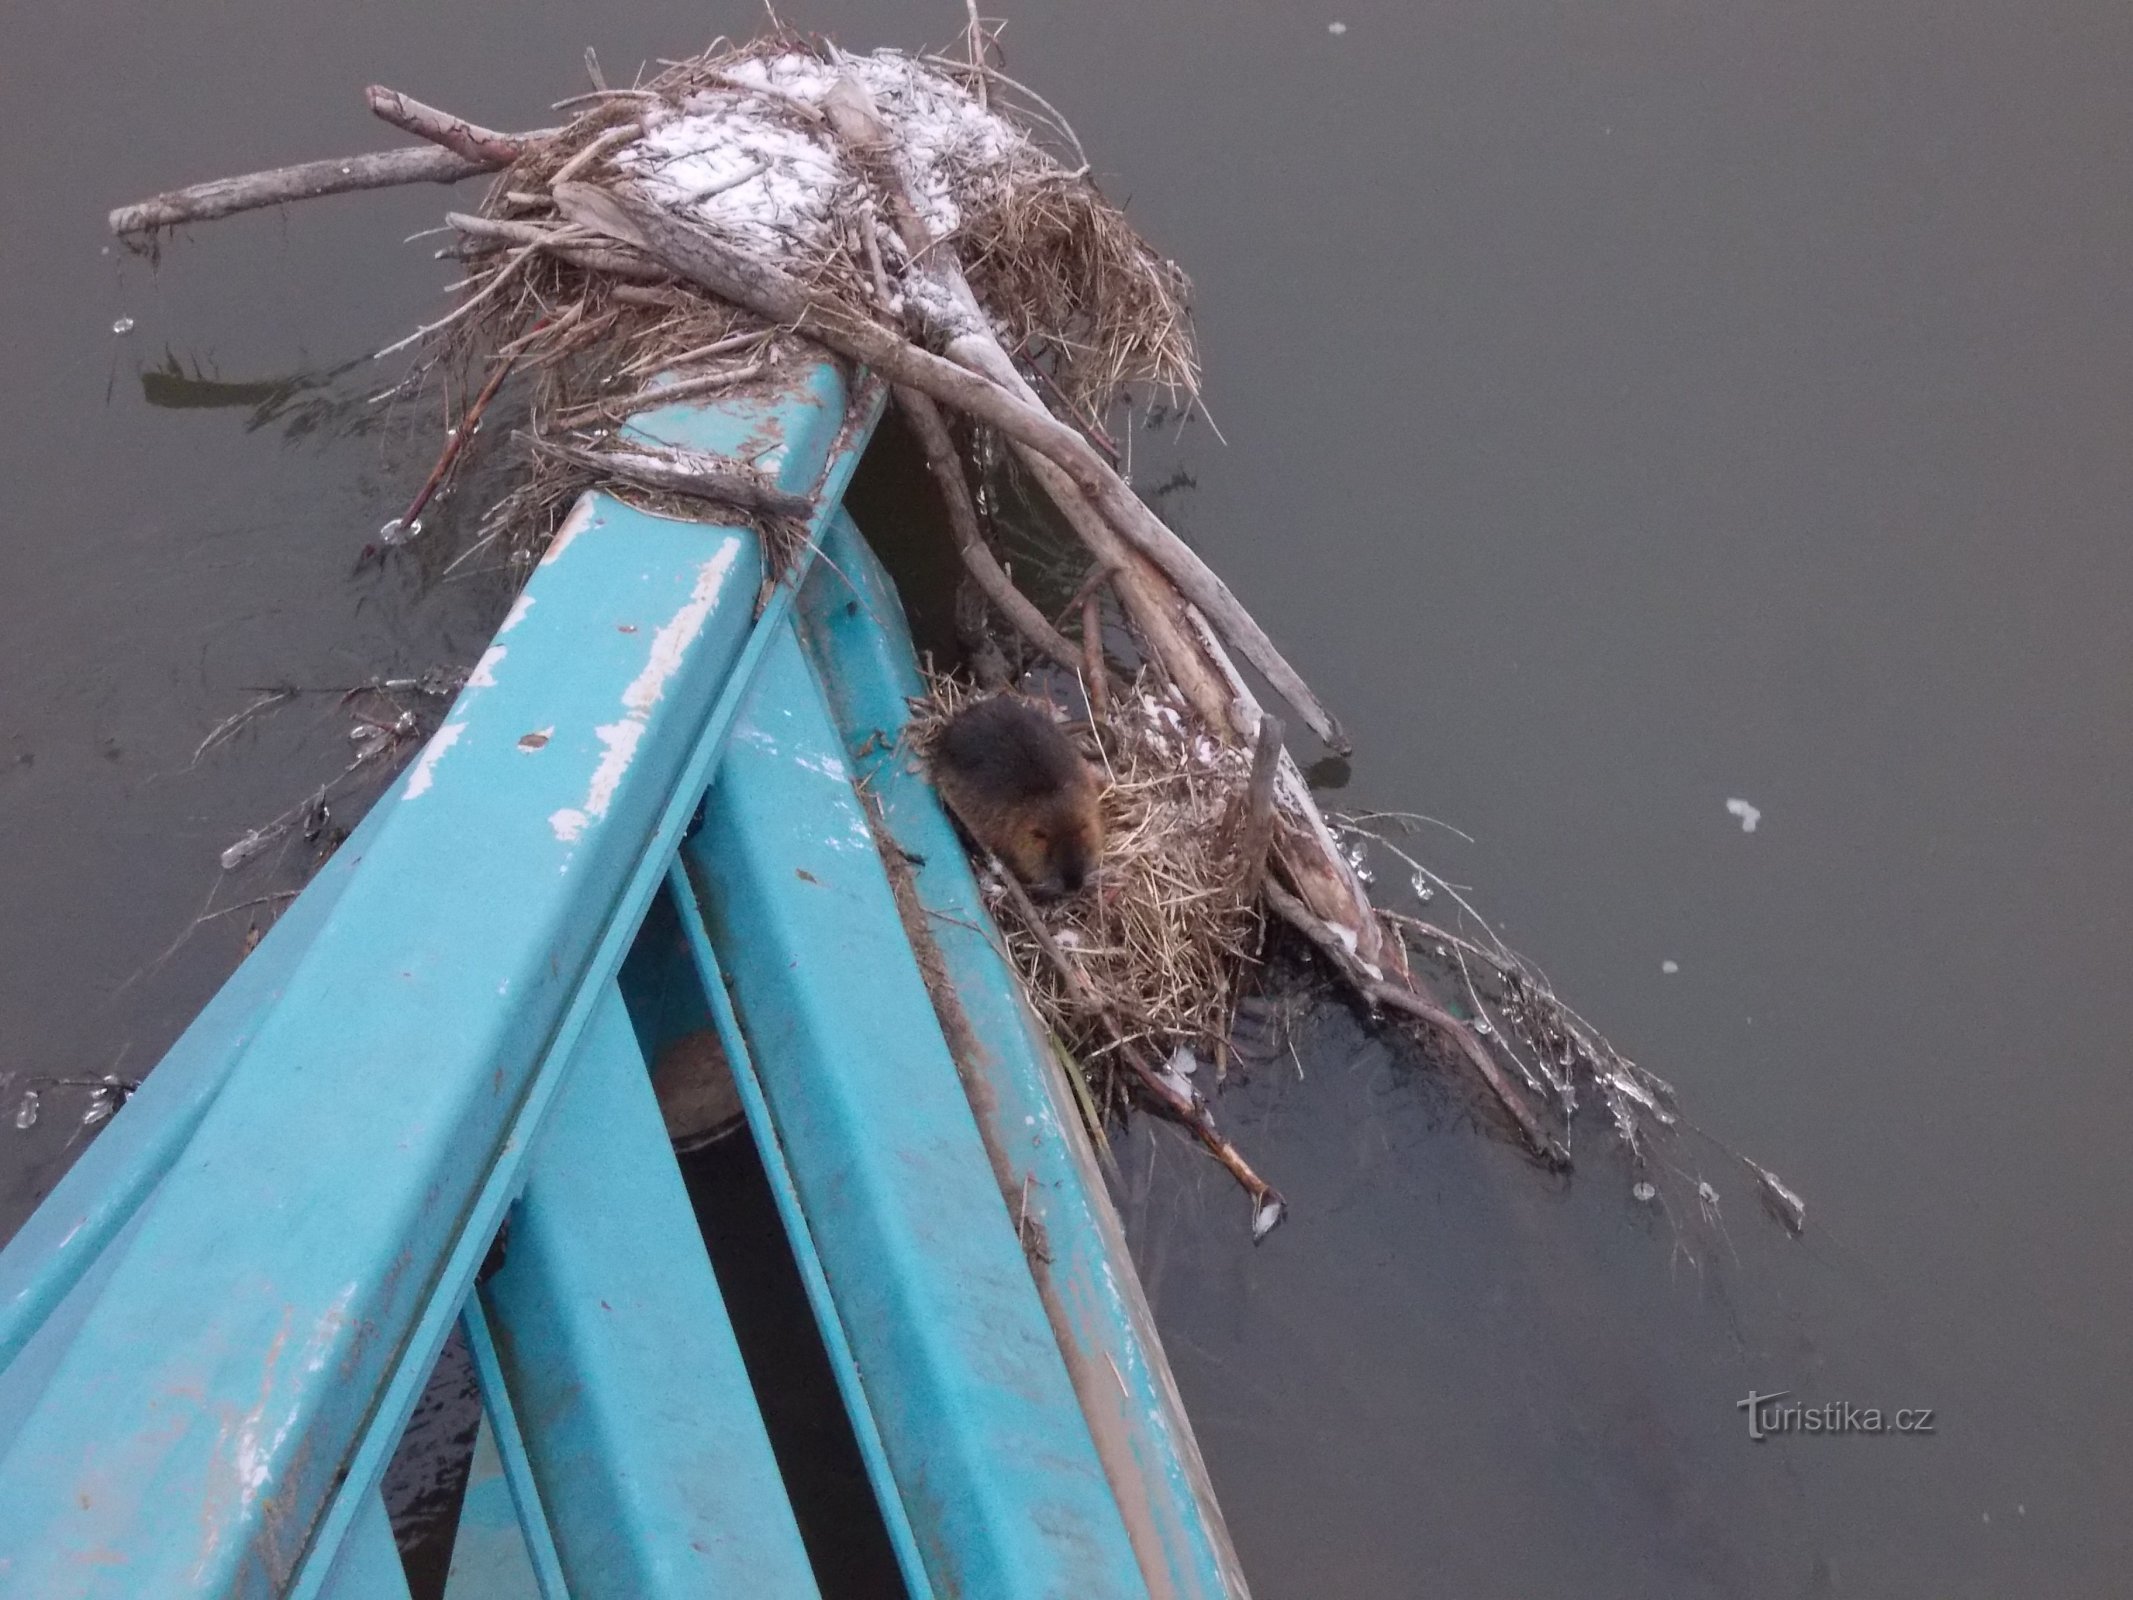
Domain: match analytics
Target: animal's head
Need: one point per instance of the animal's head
(1057, 846)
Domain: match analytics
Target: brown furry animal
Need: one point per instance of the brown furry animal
(1014, 781)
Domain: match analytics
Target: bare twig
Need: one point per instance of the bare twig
(484, 146)
(502, 276)
(1256, 838)
(1377, 992)
(1095, 677)
(609, 141)
(716, 264)
(978, 560)
(456, 443)
(223, 197)
(1163, 1091)
(688, 472)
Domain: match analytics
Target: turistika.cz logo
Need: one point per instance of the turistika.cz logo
(1767, 1417)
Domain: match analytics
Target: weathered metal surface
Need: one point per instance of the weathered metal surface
(103, 1189)
(368, 1566)
(852, 623)
(230, 1374)
(639, 1423)
(514, 1465)
(799, 1237)
(991, 1455)
(489, 1560)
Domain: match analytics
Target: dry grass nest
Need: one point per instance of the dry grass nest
(1162, 937)
(1068, 282)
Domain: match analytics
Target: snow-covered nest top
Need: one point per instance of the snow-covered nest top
(751, 166)
(738, 141)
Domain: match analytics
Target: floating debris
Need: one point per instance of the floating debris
(1176, 1073)
(1670, 967)
(26, 1112)
(1778, 1199)
(1749, 815)
(123, 326)
(254, 841)
(1425, 891)
(105, 1100)
(1336, 28)
(1643, 1192)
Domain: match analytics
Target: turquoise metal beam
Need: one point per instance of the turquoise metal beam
(639, 1423)
(785, 1194)
(786, 436)
(499, 1416)
(369, 1566)
(107, 1183)
(991, 1455)
(193, 1433)
(852, 622)
(489, 1559)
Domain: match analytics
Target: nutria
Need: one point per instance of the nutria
(1014, 781)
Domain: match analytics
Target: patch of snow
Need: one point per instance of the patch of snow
(749, 166)
(484, 674)
(1749, 815)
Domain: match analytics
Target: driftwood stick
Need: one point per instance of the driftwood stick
(612, 139)
(484, 146)
(732, 274)
(223, 197)
(457, 442)
(1398, 997)
(952, 317)
(1184, 1106)
(503, 275)
(1304, 847)
(690, 473)
(978, 560)
(1095, 678)
(593, 254)
(1256, 837)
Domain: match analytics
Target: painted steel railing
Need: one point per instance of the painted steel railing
(212, 1334)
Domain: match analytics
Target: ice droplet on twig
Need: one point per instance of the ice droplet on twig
(1266, 1218)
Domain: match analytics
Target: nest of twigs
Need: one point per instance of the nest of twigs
(1057, 267)
(1163, 938)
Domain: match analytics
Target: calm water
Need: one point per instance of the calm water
(1628, 409)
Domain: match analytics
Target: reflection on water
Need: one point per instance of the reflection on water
(301, 404)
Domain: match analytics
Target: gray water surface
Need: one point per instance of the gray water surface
(1628, 409)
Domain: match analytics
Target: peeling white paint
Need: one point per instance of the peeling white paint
(517, 614)
(670, 648)
(621, 740)
(424, 772)
(484, 674)
(582, 516)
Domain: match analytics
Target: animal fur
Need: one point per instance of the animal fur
(1022, 791)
